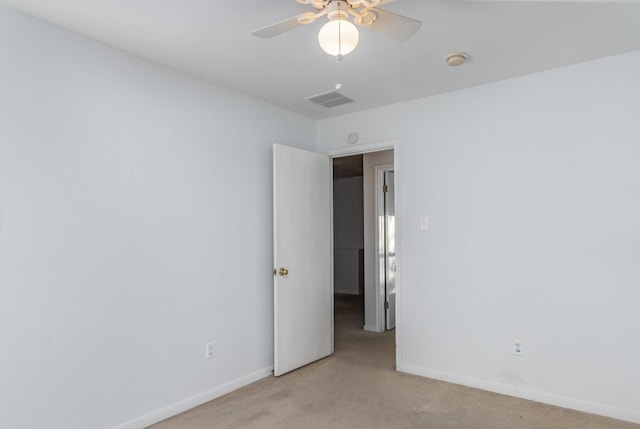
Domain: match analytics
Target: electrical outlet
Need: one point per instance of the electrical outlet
(424, 223)
(209, 350)
(518, 348)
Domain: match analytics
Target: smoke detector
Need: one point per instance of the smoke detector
(456, 59)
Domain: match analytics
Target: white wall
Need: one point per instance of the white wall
(348, 240)
(531, 186)
(135, 225)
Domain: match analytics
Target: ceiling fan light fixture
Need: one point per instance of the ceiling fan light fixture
(338, 37)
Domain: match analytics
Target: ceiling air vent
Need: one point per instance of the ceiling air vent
(330, 99)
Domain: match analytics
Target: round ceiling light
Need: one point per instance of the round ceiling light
(338, 37)
(456, 59)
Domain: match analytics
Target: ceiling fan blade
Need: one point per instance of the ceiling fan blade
(393, 25)
(277, 28)
(383, 2)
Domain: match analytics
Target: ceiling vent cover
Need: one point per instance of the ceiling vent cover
(330, 99)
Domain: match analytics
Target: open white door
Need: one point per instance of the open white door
(302, 249)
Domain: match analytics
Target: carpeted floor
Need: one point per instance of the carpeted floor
(357, 387)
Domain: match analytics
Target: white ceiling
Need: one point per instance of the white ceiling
(211, 39)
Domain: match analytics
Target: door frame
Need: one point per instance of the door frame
(377, 147)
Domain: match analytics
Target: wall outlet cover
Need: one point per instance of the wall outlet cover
(518, 348)
(424, 223)
(209, 350)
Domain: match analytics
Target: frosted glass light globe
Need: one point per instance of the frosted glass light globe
(338, 37)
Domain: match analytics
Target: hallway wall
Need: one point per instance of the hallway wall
(371, 161)
(348, 241)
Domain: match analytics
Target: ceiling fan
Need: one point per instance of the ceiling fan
(339, 36)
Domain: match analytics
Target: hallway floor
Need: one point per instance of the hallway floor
(357, 387)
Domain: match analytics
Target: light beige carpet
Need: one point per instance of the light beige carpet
(358, 387)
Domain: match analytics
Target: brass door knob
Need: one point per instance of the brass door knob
(283, 271)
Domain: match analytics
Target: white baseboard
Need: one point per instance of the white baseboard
(194, 401)
(532, 395)
(346, 292)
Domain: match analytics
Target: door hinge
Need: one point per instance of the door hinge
(385, 188)
(386, 305)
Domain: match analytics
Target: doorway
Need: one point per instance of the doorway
(303, 256)
(348, 240)
(364, 238)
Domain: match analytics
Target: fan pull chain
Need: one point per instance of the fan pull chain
(339, 56)
(339, 61)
